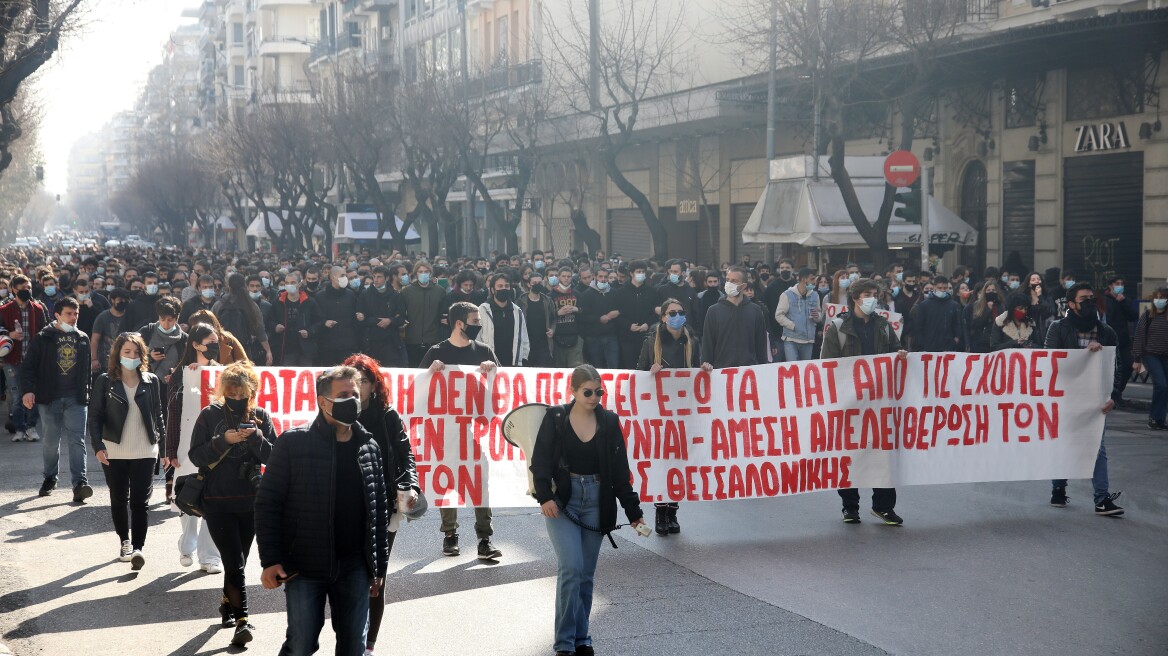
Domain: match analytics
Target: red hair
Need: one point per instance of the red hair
(370, 369)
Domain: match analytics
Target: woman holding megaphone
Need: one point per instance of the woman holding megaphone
(580, 470)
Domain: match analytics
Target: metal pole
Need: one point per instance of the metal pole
(468, 210)
(771, 92)
(925, 172)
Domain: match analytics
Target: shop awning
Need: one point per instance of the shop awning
(812, 213)
(276, 220)
(225, 224)
(354, 226)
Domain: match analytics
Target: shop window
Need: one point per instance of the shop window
(1104, 91)
(1022, 102)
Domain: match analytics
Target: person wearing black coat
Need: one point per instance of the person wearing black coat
(580, 450)
(937, 324)
(125, 438)
(637, 303)
(1081, 328)
(1121, 312)
(672, 345)
(1015, 328)
(295, 320)
(381, 315)
(336, 333)
(380, 418)
(231, 439)
(322, 518)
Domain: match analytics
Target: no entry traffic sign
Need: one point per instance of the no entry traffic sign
(902, 168)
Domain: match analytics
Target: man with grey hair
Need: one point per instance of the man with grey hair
(322, 517)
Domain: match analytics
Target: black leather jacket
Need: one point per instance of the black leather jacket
(227, 487)
(397, 456)
(109, 407)
(294, 507)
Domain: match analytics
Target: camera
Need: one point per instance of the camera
(251, 473)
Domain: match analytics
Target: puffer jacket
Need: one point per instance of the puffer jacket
(615, 481)
(109, 407)
(294, 506)
(937, 326)
(227, 487)
(338, 305)
(397, 455)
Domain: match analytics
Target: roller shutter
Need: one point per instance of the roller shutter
(756, 252)
(1103, 217)
(628, 235)
(1018, 212)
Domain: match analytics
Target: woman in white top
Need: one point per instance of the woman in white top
(125, 425)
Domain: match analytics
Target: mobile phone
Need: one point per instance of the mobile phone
(246, 426)
(284, 579)
(159, 351)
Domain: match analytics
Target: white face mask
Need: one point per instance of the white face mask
(731, 289)
(868, 305)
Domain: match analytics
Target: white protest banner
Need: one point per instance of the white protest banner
(764, 431)
(833, 310)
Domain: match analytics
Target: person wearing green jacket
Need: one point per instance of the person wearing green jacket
(425, 303)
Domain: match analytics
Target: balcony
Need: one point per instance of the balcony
(367, 6)
(979, 11)
(267, 4)
(275, 46)
(507, 77)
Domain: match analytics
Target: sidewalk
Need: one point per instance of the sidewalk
(62, 592)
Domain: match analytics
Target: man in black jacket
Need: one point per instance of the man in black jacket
(141, 310)
(337, 334)
(321, 516)
(55, 378)
(937, 321)
(637, 303)
(381, 313)
(1081, 328)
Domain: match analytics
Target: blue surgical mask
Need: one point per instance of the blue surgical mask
(255, 296)
(354, 283)
(675, 322)
(674, 278)
(602, 286)
(900, 276)
(99, 270)
(810, 286)
(639, 277)
(423, 278)
(824, 290)
(206, 293)
(65, 327)
(291, 290)
(895, 292)
(1069, 283)
(553, 281)
(151, 289)
(1015, 284)
(50, 290)
(1160, 303)
(844, 283)
(1118, 290)
(131, 363)
(941, 295)
(167, 331)
(405, 279)
(538, 264)
(868, 305)
(266, 282)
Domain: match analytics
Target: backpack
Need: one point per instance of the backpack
(234, 320)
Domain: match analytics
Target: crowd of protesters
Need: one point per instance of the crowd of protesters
(96, 342)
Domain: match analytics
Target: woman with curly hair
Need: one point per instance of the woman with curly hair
(380, 418)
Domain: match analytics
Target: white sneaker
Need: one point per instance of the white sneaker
(369, 652)
(20, 437)
(185, 560)
(31, 435)
(212, 568)
(127, 551)
(137, 560)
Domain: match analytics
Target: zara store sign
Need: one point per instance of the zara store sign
(1101, 136)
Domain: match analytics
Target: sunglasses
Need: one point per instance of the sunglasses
(599, 392)
(676, 313)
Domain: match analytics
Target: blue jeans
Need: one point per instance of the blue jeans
(1098, 478)
(22, 418)
(348, 598)
(603, 352)
(1157, 366)
(577, 550)
(64, 421)
(794, 351)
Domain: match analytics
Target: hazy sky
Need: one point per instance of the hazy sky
(99, 72)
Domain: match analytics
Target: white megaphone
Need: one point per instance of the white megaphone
(520, 428)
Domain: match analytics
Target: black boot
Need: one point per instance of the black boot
(662, 521)
(227, 618)
(674, 527)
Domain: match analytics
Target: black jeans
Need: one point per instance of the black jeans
(1123, 370)
(883, 498)
(233, 533)
(377, 607)
(130, 483)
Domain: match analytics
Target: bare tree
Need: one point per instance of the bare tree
(610, 70)
(568, 180)
(179, 189)
(30, 32)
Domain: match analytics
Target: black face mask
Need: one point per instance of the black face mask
(1088, 309)
(346, 411)
(472, 331)
(212, 352)
(503, 295)
(238, 406)
(991, 298)
(24, 295)
(540, 289)
(119, 306)
(312, 285)
(785, 274)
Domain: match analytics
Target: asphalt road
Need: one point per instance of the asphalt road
(981, 569)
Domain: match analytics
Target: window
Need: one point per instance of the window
(1022, 102)
(237, 75)
(441, 54)
(237, 34)
(456, 49)
(503, 36)
(1103, 91)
